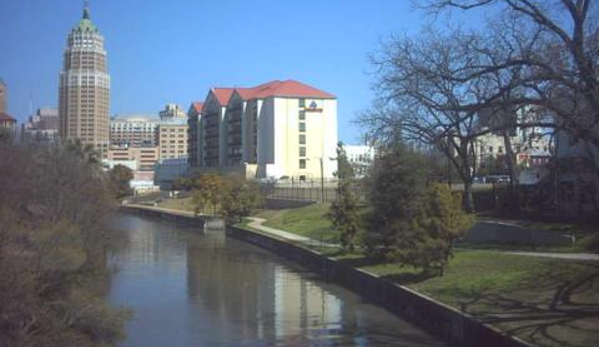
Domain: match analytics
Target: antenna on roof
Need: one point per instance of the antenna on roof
(86, 9)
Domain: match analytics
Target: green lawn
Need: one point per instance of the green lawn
(184, 204)
(309, 221)
(550, 302)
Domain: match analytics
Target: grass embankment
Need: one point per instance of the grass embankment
(550, 302)
(183, 204)
(309, 221)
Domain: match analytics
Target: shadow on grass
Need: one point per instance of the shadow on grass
(562, 311)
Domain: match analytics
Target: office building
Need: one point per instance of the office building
(3, 96)
(172, 138)
(172, 111)
(42, 127)
(84, 94)
(136, 158)
(134, 130)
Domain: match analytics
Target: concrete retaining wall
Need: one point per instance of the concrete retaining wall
(433, 316)
(167, 215)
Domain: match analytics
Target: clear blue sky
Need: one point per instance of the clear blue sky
(173, 51)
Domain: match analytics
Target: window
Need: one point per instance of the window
(491, 149)
(302, 127)
(302, 139)
(302, 115)
(302, 102)
(302, 163)
(302, 151)
(500, 149)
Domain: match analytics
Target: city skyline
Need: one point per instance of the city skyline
(173, 53)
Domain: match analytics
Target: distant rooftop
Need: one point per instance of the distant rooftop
(135, 117)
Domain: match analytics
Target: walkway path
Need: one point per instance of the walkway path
(256, 223)
(570, 256)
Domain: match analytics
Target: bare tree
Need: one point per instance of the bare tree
(429, 96)
(558, 63)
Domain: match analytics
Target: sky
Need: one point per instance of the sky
(174, 51)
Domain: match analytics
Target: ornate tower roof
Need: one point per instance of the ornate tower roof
(86, 24)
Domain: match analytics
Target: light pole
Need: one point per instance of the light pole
(321, 181)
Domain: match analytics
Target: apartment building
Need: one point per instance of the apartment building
(276, 129)
(193, 125)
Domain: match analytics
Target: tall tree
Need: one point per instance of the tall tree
(344, 211)
(397, 194)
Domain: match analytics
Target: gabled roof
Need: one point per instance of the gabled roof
(289, 88)
(292, 88)
(197, 106)
(223, 95)
(5, 117)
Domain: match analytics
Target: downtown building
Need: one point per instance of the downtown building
(134, 130)
(277, 129)
(7, 122)
(84, 95)
(42, 127)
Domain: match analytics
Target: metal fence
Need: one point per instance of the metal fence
(310, 190)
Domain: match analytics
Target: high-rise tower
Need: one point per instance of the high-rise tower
(2, 97)
(84, 95)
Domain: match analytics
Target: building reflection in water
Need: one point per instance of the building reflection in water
(189, 288)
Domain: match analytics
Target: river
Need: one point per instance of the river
(193, 288)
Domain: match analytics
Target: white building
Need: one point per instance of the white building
(280, 128)
(360, 156)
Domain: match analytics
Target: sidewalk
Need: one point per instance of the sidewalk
(569, 256)
(256, 223)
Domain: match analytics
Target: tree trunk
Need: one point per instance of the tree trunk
(513, 172)
(468, 197)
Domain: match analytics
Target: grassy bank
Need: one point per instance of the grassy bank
(184, 204)
(550, 302)
(309, 221)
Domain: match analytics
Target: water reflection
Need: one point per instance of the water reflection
(203, 289)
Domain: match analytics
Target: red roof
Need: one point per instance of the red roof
(4, 117)
(289, 88)
(198, 106)
(223, 95)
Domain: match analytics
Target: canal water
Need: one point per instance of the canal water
(193, 288)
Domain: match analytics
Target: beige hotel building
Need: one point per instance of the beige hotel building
(276, 129)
